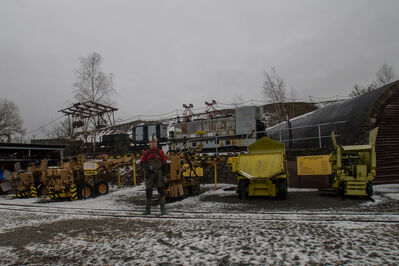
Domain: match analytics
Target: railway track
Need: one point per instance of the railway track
(370, 217)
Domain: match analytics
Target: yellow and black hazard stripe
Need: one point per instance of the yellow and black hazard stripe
(21, 195)
(33, 192)
(74, 192)
(55, 196)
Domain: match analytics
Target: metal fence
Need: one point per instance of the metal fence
(286, 135)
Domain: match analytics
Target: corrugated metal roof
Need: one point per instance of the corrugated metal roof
(378, 108)
(360, 114)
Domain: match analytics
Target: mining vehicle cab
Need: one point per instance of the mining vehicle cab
(354, 167)
(262, 171)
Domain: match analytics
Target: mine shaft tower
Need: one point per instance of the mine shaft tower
(89, 116)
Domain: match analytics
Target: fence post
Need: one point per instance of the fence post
(280, 134)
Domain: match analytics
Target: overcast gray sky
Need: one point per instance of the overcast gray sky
(166, 53)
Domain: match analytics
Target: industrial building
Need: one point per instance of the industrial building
(351, 120)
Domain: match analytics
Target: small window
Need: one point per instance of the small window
(228, 142)
(194, 144)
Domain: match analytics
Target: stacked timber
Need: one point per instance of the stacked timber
(387, 145)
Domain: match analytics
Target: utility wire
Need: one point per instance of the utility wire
(178, 112)
(43, 126)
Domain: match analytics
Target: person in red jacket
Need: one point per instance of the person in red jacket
(154, 161)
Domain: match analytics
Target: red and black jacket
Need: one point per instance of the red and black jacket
(153, 154)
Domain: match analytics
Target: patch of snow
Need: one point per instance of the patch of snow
(386, 188)
(243, 238)
(377, 200)
(394, 196)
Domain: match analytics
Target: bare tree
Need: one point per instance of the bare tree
(92, 83)
(360, 90)
(10, 120)
(385, 74)
(274, 90)
(292, 100)
(61, 130)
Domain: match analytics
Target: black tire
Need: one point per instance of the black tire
(85, 191)
(242, 189)
(40, 189)
(101, 188)
(282, 192)
(341, 189)
(369, 189)
(195, 190)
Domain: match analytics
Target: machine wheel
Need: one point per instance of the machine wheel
(242, 189)
(282, 192)
(40, 189)
(101, 188)
(195, 190)
(85, 191)
(341, 189)
(369, 189)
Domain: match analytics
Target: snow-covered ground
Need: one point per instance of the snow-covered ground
(59, 237)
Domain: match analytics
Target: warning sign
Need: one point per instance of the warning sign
(89, 172)
(90, 166)
(314, 165)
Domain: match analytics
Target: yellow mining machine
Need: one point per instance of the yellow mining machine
(262, 171)
(354, 167)
(26, 182)
(184, 176)
(81, 178)
(76, 178)
(64, 181)
(94, 171)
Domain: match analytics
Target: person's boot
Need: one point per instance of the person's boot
(162, 204)
(147, 209)
(148, 199)
(163, 211)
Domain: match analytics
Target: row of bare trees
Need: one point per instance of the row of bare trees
(274, 89)
(92, 84)
(384, 75)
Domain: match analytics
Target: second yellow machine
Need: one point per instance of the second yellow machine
(262, 171)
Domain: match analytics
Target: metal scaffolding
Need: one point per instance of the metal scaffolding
(90, 116)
